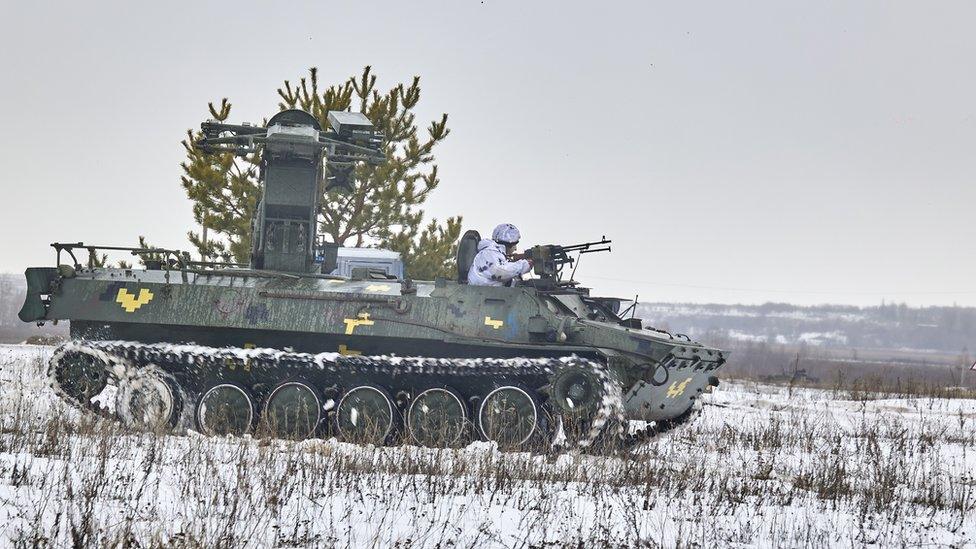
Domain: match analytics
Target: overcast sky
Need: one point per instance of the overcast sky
(808, 152)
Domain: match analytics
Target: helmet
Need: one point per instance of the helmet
(506, 233)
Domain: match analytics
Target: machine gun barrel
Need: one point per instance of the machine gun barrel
(562, 252)
(586, 247)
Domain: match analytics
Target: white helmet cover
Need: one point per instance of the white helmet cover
(506, 233)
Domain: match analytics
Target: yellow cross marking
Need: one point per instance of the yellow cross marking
(496, 324)
(343, 350)
(378, 288)
(677, 389)
(130, 302)
(351, 323)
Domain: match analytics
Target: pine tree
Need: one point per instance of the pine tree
(384, 207)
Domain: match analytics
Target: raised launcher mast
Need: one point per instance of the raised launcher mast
(292, 148)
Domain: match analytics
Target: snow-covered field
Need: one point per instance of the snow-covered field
(760, 467)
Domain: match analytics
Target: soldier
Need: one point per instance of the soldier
(491, 266)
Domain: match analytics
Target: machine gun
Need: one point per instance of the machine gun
(292, 148)
(549, 260)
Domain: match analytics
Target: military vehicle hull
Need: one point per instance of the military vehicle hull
(654, 376)
(194, 344)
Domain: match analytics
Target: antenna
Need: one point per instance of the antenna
(632, 306)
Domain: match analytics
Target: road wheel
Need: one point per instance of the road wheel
(225, 409)
(437, 417)
(150, 399)
(509, 416)
(365, 415)
(293, 410)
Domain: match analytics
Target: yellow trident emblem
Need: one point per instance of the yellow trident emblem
(677, 389)
(130, 302)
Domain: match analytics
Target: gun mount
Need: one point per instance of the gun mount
(292, 148)
(549, 260)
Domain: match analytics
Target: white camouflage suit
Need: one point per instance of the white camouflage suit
(491, 267)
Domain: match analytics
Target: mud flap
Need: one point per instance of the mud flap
(39, 281)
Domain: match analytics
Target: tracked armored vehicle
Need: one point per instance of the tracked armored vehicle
(278, 346)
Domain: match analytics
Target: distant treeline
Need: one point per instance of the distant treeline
(13, 287)
(887, 326)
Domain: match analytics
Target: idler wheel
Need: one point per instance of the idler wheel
(293, 410)
(437, 417)
(150, 399)
(508, 416)
(365, 415)
(79, 375)
(225, 409)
